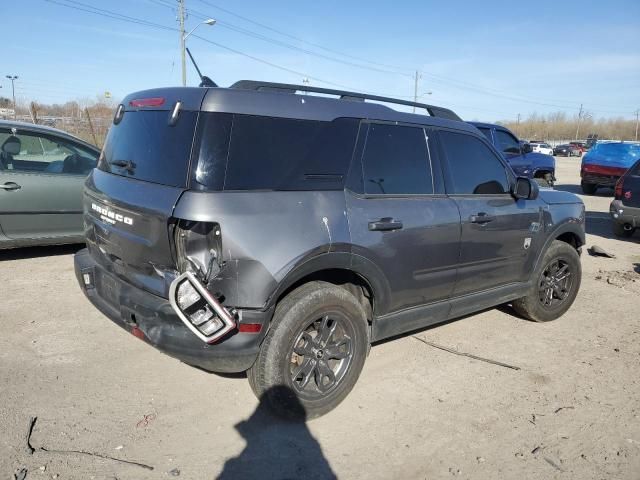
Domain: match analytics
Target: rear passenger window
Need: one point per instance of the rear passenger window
(473, 166)
(246, 152)
(396, 161)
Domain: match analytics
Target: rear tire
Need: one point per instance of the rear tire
(314, 352)
(619, 231)
(588, 188)
(557, 281)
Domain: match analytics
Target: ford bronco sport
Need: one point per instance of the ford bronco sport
(256, 229)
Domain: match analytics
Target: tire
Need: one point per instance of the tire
(545, 181)
(619, 231)
(559, 259)
(588, 188)
(293, 346)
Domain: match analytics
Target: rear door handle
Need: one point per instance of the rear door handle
(481, 218)
(10, 186)
(385, 224)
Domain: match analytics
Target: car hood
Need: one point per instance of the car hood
(539, 159)
(556, 197)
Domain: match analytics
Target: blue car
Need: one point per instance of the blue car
(606, 162)
(519, 155)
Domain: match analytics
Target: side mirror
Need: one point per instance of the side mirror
(525, 188)
(526, 148)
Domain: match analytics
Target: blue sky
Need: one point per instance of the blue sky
(487, 60)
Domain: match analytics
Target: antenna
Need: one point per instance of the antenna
(204, 80)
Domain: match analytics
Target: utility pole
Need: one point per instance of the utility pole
(415, 89)
(13, 78)
(182, 44)
(518, 125)
(637, 113)
(579, 120)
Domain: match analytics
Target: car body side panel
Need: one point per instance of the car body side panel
(266, 235)
(45, 206)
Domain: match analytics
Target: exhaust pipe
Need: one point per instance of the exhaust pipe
(627, 227)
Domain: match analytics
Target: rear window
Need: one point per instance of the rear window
(629, 151)
(246, 152)
(145, 147)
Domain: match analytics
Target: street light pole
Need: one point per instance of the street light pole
(183, 38)
(13, 78)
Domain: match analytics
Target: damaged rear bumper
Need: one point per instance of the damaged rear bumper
(152, 319)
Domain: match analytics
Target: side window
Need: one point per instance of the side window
(474, 168)
(31, 152)
(396, 161)
(267, 153)
(487, 133)
(507, 143)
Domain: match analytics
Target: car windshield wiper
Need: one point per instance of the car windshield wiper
(128, 165)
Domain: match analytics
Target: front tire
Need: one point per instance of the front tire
(314, 352)
(557, 281)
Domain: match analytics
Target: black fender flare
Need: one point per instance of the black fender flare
(361, 266)
(566, 227)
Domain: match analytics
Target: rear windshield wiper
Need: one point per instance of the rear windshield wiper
(128, 165)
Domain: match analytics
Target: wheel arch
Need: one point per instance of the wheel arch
(569, 233)
(359, 275)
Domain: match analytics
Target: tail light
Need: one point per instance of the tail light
(198, 309)
(618, 190)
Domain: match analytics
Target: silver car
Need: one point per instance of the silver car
(42, 173)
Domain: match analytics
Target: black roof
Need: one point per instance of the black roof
(286, 101)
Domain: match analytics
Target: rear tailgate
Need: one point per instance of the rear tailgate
(142, 172)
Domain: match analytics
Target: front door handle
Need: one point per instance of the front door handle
(385, 224)
(481, 218)
(10, 186)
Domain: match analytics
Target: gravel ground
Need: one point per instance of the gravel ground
(417, 412)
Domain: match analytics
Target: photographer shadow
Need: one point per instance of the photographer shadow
(277, 448)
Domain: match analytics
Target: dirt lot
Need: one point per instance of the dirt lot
(571, 411)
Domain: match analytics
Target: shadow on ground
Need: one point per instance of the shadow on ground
(601, 225)
(37, 252)
(277, 448)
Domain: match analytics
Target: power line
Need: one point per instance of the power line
(301, 40)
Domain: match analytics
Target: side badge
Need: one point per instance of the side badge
(527, 243)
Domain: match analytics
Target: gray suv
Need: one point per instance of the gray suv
(253, 228)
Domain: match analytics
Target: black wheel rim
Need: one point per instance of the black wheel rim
(555, 283)
(321, 356)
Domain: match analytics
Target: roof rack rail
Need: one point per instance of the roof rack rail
(433, 110)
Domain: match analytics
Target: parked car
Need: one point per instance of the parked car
(541, 147)
(567, 150)
(582, 146)
(625, 207)
(42, 172)
(606, 162)
(254, 228)
(519, 155)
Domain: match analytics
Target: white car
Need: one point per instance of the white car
(541, 147)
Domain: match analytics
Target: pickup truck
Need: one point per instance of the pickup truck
(519, 155)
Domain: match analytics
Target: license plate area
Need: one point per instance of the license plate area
(108, 288)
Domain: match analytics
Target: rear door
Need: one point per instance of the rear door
(129, 200)
(41, 180)
(497, 236)
(399, 217)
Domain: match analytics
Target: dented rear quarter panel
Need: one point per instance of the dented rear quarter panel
(266, 235)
